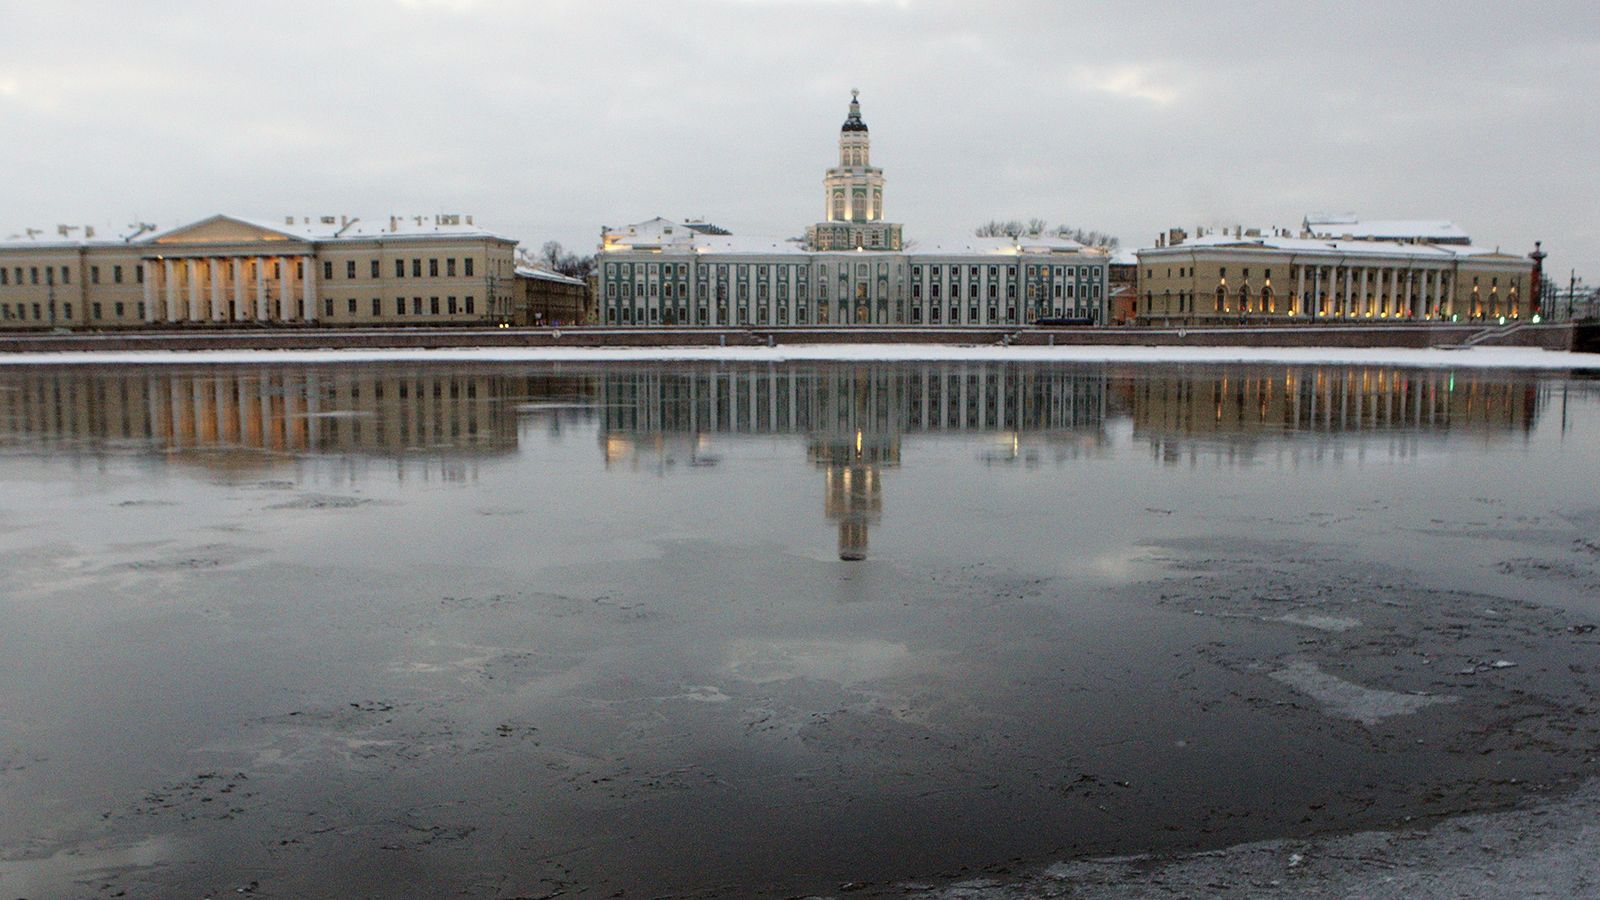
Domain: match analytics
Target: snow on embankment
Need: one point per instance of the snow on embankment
(1476, 357)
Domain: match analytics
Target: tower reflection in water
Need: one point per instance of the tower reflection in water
(854, 418)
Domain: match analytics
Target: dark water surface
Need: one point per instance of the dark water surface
(771, 629)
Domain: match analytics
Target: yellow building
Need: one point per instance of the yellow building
(550, 298)
(1246, 277)
(226, 271)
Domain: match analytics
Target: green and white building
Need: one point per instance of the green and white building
(853, 268)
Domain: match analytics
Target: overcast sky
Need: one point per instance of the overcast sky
(548, 120)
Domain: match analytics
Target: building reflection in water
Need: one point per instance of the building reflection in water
(854, 418)
(247, 421)
(1227, 414)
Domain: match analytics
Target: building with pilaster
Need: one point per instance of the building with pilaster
(228, 271)
(1322, 275)
(852, 268)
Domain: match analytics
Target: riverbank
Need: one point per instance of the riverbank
(1548, 336)
(1474, 357)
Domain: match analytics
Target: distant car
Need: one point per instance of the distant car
(1057, 321)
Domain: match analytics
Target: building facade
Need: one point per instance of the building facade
(1251, 278)
(853, 268)
(226, 271)
(550, 298)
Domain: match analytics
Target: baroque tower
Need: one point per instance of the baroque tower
(853, 202)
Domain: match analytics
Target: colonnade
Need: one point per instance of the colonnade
(1352, 292)
(230, 288)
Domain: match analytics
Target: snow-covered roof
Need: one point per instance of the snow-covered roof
(546, 275)
(1443, 253)
(666, 234)
(1385, 229)
(971, 245)
(353, 228)
(316, 229)
(76, 235)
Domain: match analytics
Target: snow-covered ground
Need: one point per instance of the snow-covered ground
(1548, 849)
(1476, 357)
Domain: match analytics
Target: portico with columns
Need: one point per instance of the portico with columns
(239, 286)
(223, 270)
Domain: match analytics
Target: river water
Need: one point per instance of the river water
(510, 630)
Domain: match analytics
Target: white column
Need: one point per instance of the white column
(1300, 292)
(1430, 292)
(192, 270)
(169, 284)
(217, 304)
(1363, 286)
(236, 269)
(309, 298)
(149, 274)
(285, 287)
(261, 263)
(1394, 286)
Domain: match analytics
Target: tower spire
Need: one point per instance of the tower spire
(853, 121)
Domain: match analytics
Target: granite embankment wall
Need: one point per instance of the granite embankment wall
(1560, 336)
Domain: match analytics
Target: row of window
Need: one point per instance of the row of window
(375, 268)
(936, 315)
(449, 307)
(743, 271)
(36, 273)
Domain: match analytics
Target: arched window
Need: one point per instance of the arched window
(1222, 298)
(1267, 300)
(1244, 298)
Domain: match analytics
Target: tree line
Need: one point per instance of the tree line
(1013, 228)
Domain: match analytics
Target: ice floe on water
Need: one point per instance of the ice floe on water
(1348, 700)
(1334, 624)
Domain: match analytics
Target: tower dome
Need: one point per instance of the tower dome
(853, 121)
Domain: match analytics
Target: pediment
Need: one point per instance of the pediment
(223, 230)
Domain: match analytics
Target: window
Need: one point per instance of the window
(399, 268)
(94, 277)
(433, 268)
(94, 310)
(116, 274)
(469, 306)
(327, 270)
(433, 306)
(416, 268)
(467, 267)
(118, 307)
(416, 306)
(350, 268)
(377, 307)
(5, 276)
(374, 269)
(350, 305)
(327, 306)
(66, 278)
(399, 306)
(450, 305)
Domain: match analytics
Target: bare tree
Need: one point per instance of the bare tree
(1014, 228)
(556, 258)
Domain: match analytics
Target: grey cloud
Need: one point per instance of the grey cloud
(550, 119)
